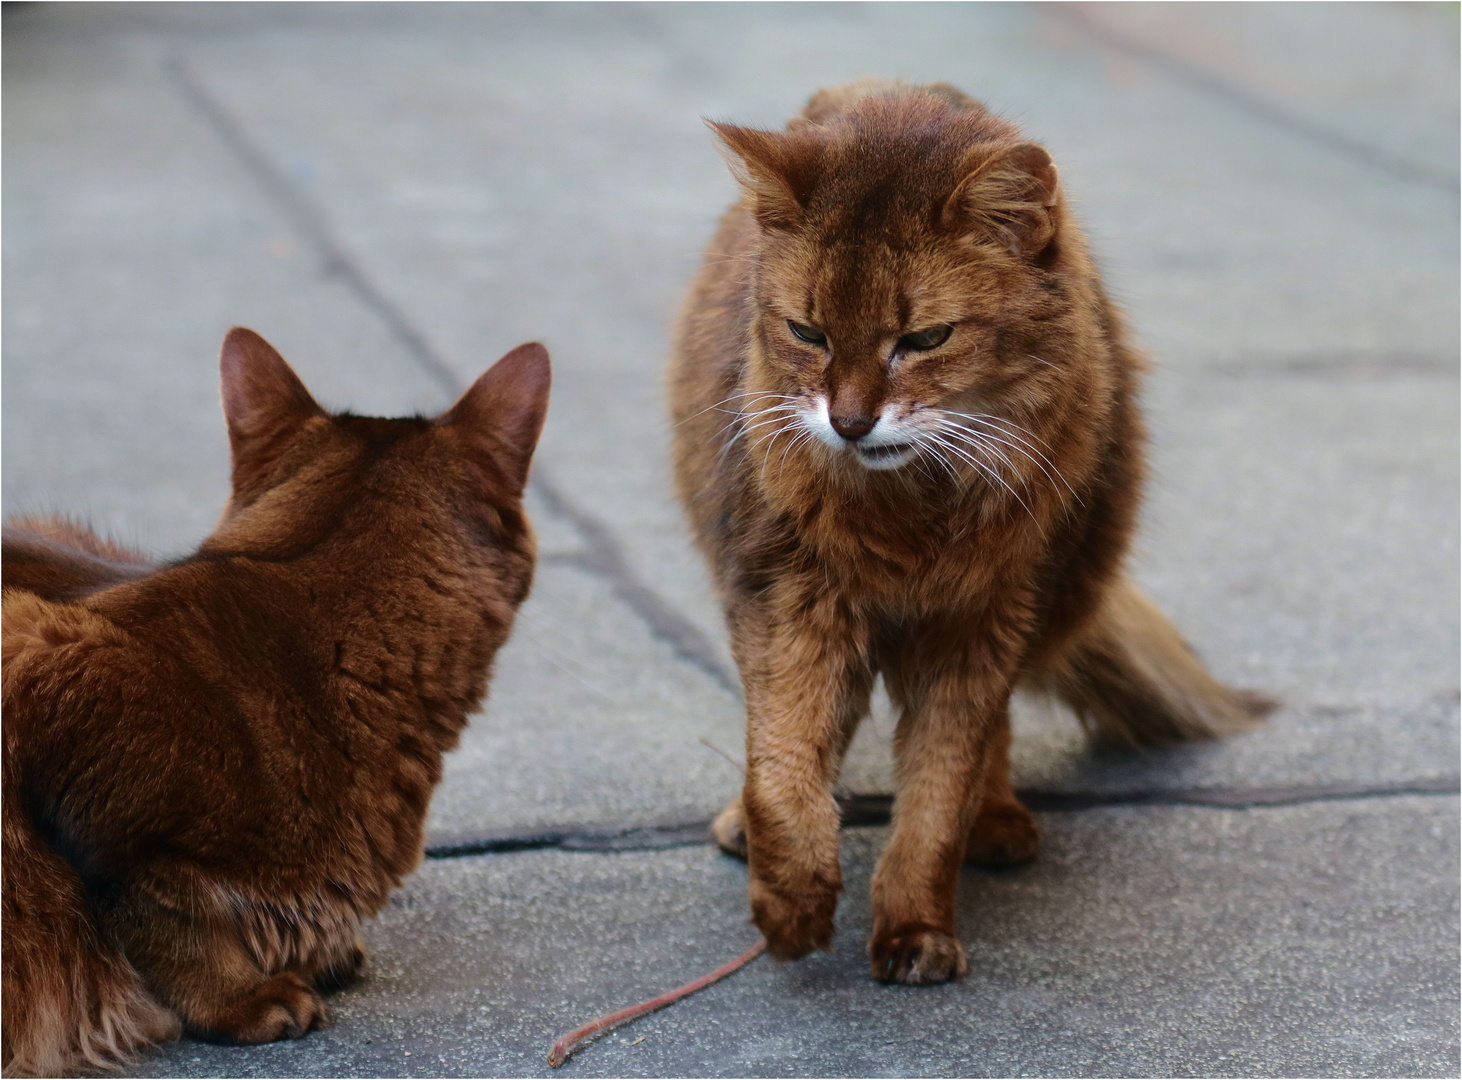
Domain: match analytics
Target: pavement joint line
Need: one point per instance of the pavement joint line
(605, 555)
(1260, 106)
(311, 222)
(1337, 367)
(605, 558)
(859, 811)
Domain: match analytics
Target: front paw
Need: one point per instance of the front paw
(284, 1007)
(917, 956)
(793, 924)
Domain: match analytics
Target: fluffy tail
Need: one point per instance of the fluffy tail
(69, 1000)
(1133, 681)
(62, 560)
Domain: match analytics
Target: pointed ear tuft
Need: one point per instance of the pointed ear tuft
(264, 403)
(502, 413)
(776, 170)
(1010, 194)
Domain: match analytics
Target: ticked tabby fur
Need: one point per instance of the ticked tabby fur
(214, 769)
(909, 442)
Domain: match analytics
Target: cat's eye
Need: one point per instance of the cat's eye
(924, 340)
(807, 333)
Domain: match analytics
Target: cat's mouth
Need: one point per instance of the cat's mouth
(885, 455)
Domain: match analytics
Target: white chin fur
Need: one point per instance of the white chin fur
(880, 462)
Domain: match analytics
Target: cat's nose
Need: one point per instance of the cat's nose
(852, 428)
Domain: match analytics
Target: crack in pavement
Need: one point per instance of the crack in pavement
(858, 811)
(605, 555)
(309, 221)
(1260, 106)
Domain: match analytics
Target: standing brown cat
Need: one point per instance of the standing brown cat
(215, 769)
(908, 439)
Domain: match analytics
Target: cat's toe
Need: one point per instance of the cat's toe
(917, 957)
(284, 1007)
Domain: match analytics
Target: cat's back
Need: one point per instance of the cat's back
(61, 665)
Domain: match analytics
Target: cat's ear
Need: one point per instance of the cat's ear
(775, 169)
(1010, 194)
(502, 412)
(264, 403)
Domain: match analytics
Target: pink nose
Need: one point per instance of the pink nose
(851, 428)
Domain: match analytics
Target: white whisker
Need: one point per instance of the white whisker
(733, 397)
(984, 467)
(924, 451)
(989, 443)
(802, 436)
(985, 442)
(1004, 427)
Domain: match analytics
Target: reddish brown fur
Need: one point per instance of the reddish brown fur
(883, 211)
(215, 770)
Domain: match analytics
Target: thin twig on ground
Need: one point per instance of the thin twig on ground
(566, 1045)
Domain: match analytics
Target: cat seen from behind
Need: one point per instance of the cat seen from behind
(215, 768)
(908, 439)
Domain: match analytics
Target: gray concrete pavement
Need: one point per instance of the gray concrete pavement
(395, 195)
(1169, 943)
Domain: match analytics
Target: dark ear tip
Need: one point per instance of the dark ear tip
(536, 349)
(234, 342)
(530, 356)
(233, 355)
(238, 344)
(240, 337)
(734, 137)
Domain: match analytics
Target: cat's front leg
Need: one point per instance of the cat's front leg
(955, 695)
(807, 677)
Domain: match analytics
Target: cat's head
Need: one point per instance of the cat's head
(911, 245)
(378, 488)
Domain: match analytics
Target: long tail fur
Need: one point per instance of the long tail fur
(1133, 681)
(63, 560)
(70, 1001)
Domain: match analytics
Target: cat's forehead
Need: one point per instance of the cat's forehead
(379, 432)
(853, 278)
(895, 207)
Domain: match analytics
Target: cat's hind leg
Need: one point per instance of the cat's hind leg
(200, 967)
(729, 829)
(1004, 832)
(71, 1001)
(336, 964)
(953, 683)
